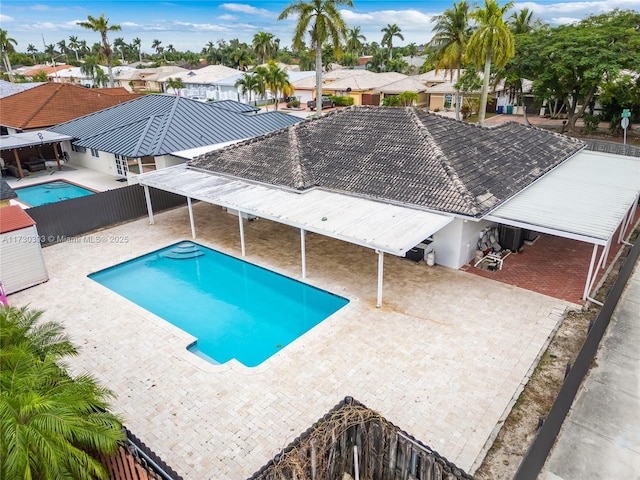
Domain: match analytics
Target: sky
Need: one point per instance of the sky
(191, 24)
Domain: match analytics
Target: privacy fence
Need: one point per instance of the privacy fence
(538, 451)
(352, 439)
(59, 221)
(611, 147)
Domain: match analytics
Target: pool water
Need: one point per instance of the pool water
(50, 192)
(233, 308)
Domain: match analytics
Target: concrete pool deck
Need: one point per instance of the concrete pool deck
(444, 358)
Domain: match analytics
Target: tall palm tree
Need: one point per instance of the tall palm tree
(250, 83)
(391, 31)
(31, 48)
(241, 58)
(74, 45)
(263, 45)
(275, 79)
(6, 47)
(52, 423)
(88, 67)
(62, 44)
(137, 44)
(449, 43)
(491, 43)
(101, 25)
(355, 41)
(326, 24)
(521, 22)
(176, 84)
(120, 44)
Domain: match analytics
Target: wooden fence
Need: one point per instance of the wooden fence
(352, 439)
(56, 222)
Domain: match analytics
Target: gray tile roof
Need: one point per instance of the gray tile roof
(6, 192)
(399, 155)
(160, 124)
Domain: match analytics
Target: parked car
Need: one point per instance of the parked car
(326, 103)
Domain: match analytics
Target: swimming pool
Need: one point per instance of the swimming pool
(235, 309)
(50, 192)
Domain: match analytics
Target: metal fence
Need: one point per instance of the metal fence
(611, 147)
(58, 221)
(538, 451)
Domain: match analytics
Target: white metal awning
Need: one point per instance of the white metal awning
(27, 139)
(586, 198)
(384, 227)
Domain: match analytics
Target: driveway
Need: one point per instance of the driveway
(444, 358)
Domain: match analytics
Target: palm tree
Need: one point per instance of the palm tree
(120, 44)
(83, 47)
(63, 46)
(326, 24)
(137, 43)
(241, 58)
(522, 22)
(250, 83)
(263, 45)
(391, 31)
(31, 48)
(74, 45)
(156, 45)
(88, 67)
(176, 84)
(492, 42)
(450, 41)
(275, 79)
(51, 421)
(101, 25)
(355, 41)
(6, 47)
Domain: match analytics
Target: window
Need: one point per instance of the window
(77, 148)
(94, 153)
(122, 166)
(448, 100)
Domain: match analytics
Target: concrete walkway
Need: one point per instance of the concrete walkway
(600, 439)
(444, 358)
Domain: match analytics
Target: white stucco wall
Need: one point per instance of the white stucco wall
(164, 161)
(105, 162)
(456, 243)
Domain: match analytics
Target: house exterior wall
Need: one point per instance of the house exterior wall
(455, 244)
(164, 161)
(105, 162)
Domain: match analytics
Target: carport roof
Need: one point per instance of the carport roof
(381, 226)
(586, 198)
(27, 139)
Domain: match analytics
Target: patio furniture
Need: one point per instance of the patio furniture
(34, 164)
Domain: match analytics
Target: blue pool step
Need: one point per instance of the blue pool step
(183, 251)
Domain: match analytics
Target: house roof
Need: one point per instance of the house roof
(14, 218)
(204, 76)
(9, 88)
(76, 72)
(53, 103)
(367, 81)
(309, 81)
(44, 68)
(403, 85)
(150, 74)
(6, 192)
(438, 76)
(400, 155)
(161, 124)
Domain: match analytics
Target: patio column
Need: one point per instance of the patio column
(148, 199)
(380, 275)
(303, 251)
(55, 153)
(242, 247)
(15, 154)
(193, 225)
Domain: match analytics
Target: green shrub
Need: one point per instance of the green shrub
(392, 101)
(591, 122)
(342, 101)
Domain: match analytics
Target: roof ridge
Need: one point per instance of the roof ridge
(165, 127)
(445, 164)
(301, 176)
(149, 122)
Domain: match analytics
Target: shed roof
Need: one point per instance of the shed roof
(14, 218)
(401, 155)
(585, 198)
(161, 124)
(27, 139)
(53, 103)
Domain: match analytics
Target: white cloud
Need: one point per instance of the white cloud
(6, 18)
(47, 8)
(41, 26)
(227, 17)
(244, 8)
(562, 20)
(130, 25)
(208, 27)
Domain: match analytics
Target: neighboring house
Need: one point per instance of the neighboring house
(74, 75)
(405, 85)
(147, 79)
(30, 72)
(305, 85)
(9, 88)
(368, 168)
(50, 104)
(154, 131)
(202, 82)
(363, 87)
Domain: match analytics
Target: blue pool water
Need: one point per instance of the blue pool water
(50, 192)
(234, 309)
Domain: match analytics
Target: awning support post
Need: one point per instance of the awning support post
(590, 274)
(147, 197)
(193, 225)
(380, 276)
(242, 247)
(632, 215)
(304, 252)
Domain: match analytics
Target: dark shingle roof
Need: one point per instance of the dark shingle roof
(160, 124)
(6, 192)
(402, 155)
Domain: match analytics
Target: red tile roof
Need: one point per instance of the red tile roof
(14, 218)
(55, 103)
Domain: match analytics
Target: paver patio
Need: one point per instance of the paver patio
(444, 358)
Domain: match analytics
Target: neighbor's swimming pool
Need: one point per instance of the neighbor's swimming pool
(234, 309)
(51, 192)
